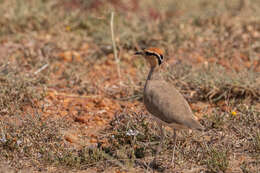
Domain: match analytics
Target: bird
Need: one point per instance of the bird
(163, 101)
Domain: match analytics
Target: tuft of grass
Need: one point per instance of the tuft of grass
(256, 141)
(32, 138)
(37, 141)
(132, 141)
(214, 83)
(217, 160)
(17, 91)
(134, 135)
(217, 120)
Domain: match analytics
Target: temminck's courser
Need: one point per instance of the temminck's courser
(163, 101)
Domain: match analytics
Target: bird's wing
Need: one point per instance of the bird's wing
(166, 103)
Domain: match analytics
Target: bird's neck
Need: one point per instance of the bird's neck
(154, 74)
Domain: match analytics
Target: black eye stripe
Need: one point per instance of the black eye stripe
(158, 56)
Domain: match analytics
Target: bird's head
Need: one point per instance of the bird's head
(153, 55)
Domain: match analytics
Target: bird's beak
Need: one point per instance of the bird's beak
(139, 53)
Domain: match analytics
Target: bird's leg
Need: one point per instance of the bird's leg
(159, 147)
(173, 152)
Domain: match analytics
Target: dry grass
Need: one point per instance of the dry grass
(213, 83)
(213, 56)
(17, 91)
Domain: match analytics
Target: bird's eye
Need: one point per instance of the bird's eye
(160, 59)
(161, 56)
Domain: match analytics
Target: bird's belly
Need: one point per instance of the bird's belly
(174, 126)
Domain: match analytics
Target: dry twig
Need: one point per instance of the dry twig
(114, 45)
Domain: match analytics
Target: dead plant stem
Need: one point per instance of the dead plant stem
(114, 45)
